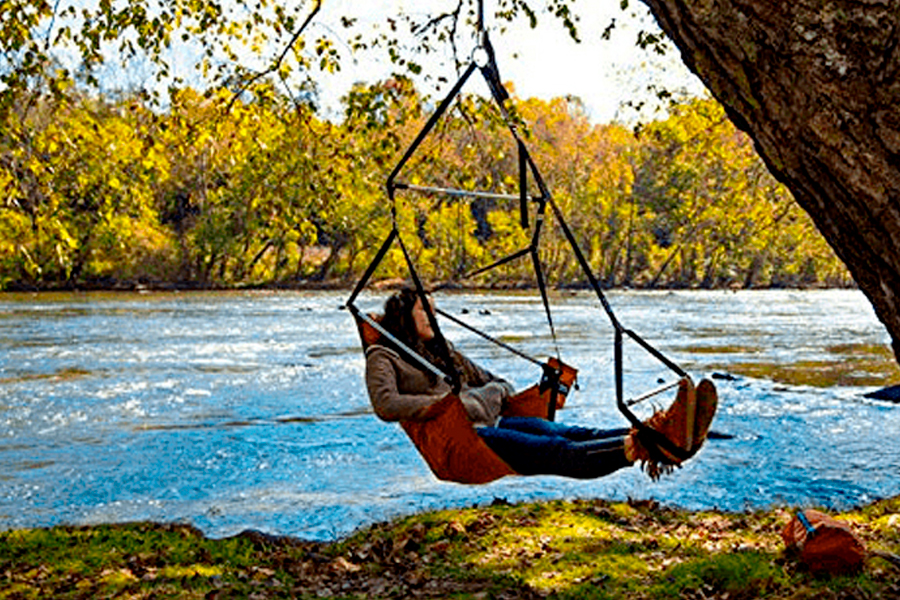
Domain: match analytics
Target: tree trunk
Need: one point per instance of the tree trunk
(817, 85)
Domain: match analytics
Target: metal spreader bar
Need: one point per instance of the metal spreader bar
(427, 189)
(650, 393)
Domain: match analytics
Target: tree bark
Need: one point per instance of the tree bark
(816, 84)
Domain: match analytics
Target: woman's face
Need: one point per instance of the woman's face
(423, 327)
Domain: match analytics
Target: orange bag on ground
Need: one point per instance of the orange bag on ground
(823, 544)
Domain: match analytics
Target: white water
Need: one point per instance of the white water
(248, 410)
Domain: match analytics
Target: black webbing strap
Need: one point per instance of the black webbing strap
(374, 265)
(655, 353)
(491, 73)
(620, 330)
(550, 380)
(405, 350)
(652, 439)
(523, 184)
(501, 262)
(585, 267)
(525, 164)
(442, 345)
(535, 173)
(432, 121)
(488, 337)
(542, 287)
(550, 375)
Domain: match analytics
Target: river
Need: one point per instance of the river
(247, 410)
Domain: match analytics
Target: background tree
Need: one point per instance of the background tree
(817, 86)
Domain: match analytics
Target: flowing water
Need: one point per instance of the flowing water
(248, 410)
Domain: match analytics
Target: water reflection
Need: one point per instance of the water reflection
(248, 410)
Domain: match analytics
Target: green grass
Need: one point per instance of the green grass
(745, 574)
(560, 549)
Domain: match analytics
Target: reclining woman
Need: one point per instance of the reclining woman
(401, 390)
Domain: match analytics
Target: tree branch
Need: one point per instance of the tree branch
(433, 24)
(277, 64)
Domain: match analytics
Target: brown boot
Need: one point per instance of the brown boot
(677, 421)
(677, 424)
(707, 403)
(685, 423)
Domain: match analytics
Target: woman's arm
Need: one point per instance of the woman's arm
(484, 393)
(477, 376)
(383, 369)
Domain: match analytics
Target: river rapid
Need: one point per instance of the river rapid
(248, 410)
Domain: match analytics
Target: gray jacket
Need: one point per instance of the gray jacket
(400, 391)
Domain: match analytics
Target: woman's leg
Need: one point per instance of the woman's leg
(538, 426)
(545, 454)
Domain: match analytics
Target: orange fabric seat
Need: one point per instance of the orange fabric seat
(446, 438)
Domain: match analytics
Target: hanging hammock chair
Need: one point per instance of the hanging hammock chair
(446, 438)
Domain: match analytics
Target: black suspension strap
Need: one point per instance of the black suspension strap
(523, 184)
(550, 380)
(500, 96)
(551, 374)
(652, 439)
(373, 265)
(443, 347)
(488, 337)
(605, 303)
(499, 263)
(432, 121)
(539, 273)
(361, 316)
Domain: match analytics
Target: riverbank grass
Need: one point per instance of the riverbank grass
(560, 549)
(845, 365)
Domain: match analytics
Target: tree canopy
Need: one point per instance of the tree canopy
(814, 86)
(212, 192)
(817, 87)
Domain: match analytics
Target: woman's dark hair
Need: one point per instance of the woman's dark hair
(399, 321)
(398, 318)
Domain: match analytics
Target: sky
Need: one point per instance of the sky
(543, 62)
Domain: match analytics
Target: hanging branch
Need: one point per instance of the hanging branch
(433, 23)
(277, 64)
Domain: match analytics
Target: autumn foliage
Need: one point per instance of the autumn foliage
(211, 192)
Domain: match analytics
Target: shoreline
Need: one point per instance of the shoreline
(586, 548)
(383, 285)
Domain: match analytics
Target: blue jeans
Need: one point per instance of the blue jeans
(534, 446)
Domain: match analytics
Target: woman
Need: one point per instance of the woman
(402, 390)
